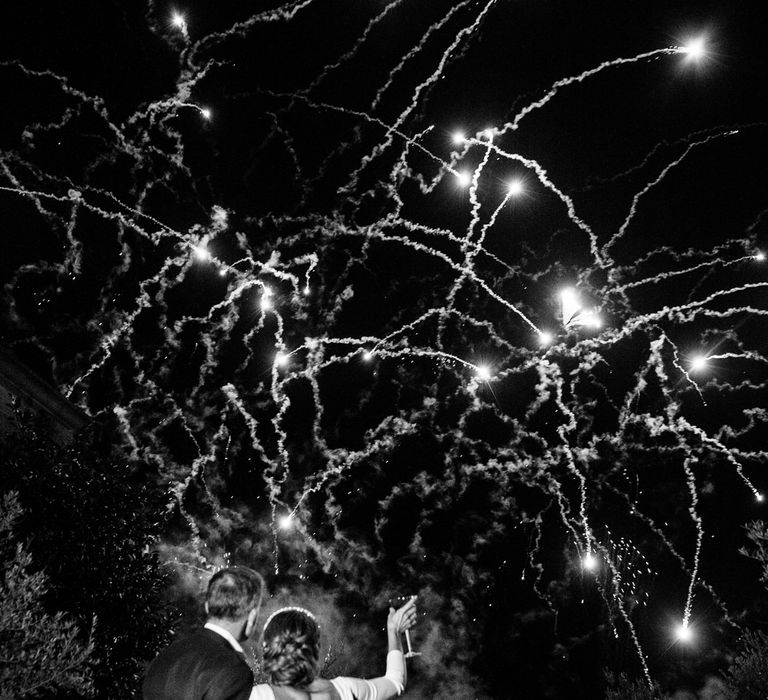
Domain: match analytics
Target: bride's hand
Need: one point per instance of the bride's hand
(403, 618)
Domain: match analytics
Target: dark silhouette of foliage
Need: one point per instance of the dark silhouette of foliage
(747, 675)
(39, 652)
(624, 688)
(91, 523)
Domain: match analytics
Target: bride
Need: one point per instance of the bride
(291, 645)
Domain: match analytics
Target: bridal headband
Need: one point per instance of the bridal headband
(290, 608)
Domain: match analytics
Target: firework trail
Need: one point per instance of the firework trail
(312, 344)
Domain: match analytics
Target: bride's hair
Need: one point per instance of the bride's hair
(291, 645)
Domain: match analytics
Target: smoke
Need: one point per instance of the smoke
(714, 689)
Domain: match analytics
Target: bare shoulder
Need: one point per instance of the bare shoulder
(262, 692)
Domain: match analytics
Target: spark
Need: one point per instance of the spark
(368, 355)
(483, 372)
(591, 320)
(285, 522)
(759, 256)
(589, 561)
(694, 49)
(464, 178)
(179, 21)
(201, 252)
(206, 113)
(545, 338)
(570, 305)
(281, 359)
(684, 633)
(699, 363)
(458, 137)
(515, 187)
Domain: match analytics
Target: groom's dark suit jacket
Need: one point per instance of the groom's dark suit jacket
(202, 666)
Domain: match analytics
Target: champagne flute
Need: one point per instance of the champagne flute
(398, 602)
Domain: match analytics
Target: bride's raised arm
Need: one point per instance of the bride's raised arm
(392, 683)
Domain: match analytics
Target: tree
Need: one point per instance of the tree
(625, 688)
(747, 675)
(91, 521)
(38, 652)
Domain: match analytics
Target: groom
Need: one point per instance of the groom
(210, 664)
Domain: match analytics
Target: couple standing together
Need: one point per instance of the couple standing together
(210, 664)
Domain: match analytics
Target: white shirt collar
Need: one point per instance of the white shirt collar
(226, 634)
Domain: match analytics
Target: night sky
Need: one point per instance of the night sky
(463, 299)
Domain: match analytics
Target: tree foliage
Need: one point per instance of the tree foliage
(625, 688)
(757, 532)
(39, 652)
(91, 522)
(747, 675)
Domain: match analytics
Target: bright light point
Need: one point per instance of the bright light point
(760, 256)
(367, 355)
(178, 20)
(464, 178)
(570, 305)
(222, 273)
(285, 522)
(515, 187)
(759, 497)
(545, 338)
(266, 304)
(307, 290)
(458, 137)
(483, 372)
(589, 562)
(201, 253)
(281, 359)
(694, 49)
(206, 113)
(698, 363)
(593, 321)
(684, 633)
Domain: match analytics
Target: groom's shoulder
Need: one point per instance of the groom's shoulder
(194, 662)
(199, 650)
(201, 641)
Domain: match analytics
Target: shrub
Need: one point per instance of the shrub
(38, 652)
(92, 521)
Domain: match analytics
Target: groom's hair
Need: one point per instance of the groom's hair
(233, 592)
